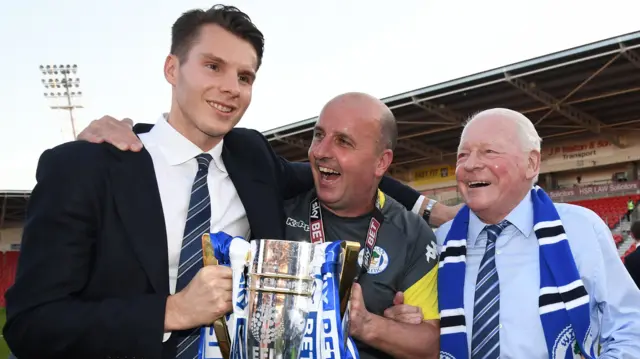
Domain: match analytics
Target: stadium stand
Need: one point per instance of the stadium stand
(12, 212)
(8, 264)
(612, 209)
(11, 216)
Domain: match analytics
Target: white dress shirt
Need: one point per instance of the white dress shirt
(175, 166)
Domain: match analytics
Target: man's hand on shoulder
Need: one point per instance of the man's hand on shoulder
(108, 129)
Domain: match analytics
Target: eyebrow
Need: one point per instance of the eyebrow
(245, 70)
(337, 133)
(212, 57)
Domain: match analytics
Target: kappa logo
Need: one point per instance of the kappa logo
(379, 260)
(432, 252)
(297, 224)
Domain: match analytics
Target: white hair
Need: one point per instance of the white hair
(529, 138)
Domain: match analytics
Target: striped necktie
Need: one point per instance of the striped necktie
(485, 340)
(198, 223)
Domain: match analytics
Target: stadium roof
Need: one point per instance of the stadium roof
(591, 89)
(13, 206)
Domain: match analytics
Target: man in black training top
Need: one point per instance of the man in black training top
(352, 148)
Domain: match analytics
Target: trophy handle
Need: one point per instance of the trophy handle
(220, 327)
(350, 251)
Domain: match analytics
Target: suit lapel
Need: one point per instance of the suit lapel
(261, 201)
(138, 203)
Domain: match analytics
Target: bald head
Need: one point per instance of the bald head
(526, 131)
(351, 150)
(368, 108)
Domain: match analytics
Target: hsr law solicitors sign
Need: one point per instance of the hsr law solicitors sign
(616, 188)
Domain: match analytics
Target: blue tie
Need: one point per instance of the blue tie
(198, 223)
(485, 340)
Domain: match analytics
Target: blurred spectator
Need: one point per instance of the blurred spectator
(632, 261)
(630, 207)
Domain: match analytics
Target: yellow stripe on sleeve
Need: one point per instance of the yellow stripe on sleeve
(424, 294)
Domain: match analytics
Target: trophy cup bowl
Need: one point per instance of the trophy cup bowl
(280, 282)
(280, 289)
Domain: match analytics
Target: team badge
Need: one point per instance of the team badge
(379, 260)
(566, 344)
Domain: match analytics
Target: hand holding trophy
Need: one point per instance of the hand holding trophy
(289, 298)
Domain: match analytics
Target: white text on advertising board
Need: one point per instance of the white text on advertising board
(595, 189)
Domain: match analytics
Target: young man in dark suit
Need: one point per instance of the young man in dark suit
(632, 261)
(110, 264)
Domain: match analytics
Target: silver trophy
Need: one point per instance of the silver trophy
(280, 283)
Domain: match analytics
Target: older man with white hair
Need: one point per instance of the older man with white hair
(520, 276)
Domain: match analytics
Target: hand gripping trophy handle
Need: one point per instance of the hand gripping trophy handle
(220, 327)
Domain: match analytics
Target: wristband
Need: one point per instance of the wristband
(427, 211)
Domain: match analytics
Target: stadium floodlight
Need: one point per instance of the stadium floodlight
(62, 87)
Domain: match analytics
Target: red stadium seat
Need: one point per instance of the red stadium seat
(8, 266)
(618, 238)
(610, 209)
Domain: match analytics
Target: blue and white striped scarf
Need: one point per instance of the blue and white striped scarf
(563, 299)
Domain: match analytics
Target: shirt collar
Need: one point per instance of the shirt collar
(520, 217)
(177, 149)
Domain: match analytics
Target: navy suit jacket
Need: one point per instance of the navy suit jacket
(632, 262)
(92, 278)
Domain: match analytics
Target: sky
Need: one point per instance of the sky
(314, 50)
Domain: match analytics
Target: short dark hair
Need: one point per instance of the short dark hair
(388, 130)
(635, 230)
(186, 29)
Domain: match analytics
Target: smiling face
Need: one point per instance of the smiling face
(212, 86)
(494, 171)
(346, 156)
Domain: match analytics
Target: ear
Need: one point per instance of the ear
(533, 164)
(384, 161)
(171, 66)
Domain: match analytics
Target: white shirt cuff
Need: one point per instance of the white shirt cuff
(417, 205)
